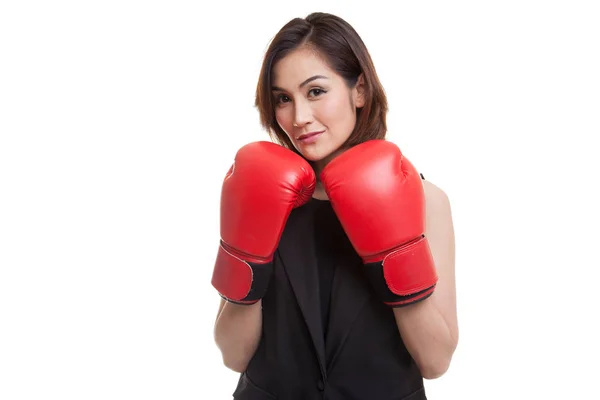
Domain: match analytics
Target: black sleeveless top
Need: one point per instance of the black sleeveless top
(325, 334)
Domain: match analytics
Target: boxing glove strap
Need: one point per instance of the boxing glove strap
(239, 281)
(405, 275)
(402, 301)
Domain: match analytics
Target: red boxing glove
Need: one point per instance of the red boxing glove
(263, 185)
(378, 197)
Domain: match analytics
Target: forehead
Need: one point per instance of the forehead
(299, 65)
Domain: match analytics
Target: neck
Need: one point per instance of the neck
(319, 192)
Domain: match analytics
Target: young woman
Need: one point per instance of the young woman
(336, 263)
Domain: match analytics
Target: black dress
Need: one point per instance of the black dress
(325, 334)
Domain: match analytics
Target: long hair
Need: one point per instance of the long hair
(339, 44)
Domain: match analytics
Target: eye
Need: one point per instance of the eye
(282, 98)
(315, 92)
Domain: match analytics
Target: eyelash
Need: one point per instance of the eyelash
(282, 96)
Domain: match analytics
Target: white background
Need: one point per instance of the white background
(118, 120)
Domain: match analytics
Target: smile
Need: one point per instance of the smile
(311, 136)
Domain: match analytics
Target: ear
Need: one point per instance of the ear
(359, 92)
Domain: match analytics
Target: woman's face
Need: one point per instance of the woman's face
(313, 104)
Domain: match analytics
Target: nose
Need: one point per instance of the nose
(302, 114)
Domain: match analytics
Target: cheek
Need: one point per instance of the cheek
(284, 119)
(331, 109)
(337, 111)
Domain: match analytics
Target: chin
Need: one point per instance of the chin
(314, 155)
(321, 158)
(311, 156)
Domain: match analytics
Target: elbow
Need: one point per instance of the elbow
(236, 365)
(434, 370)
(436, 367)
(236, 356)
(231, 357)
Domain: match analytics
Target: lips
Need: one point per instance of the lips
(306, 136)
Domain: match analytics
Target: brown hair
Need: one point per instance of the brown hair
(343, 49)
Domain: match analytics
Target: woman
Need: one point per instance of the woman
(336, 264)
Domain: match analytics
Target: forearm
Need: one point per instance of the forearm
(428, 336)
(237, 333)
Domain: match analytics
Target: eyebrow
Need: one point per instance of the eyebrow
(312, 78)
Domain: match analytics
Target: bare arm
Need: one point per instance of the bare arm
(237, 333)
(430, 328)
